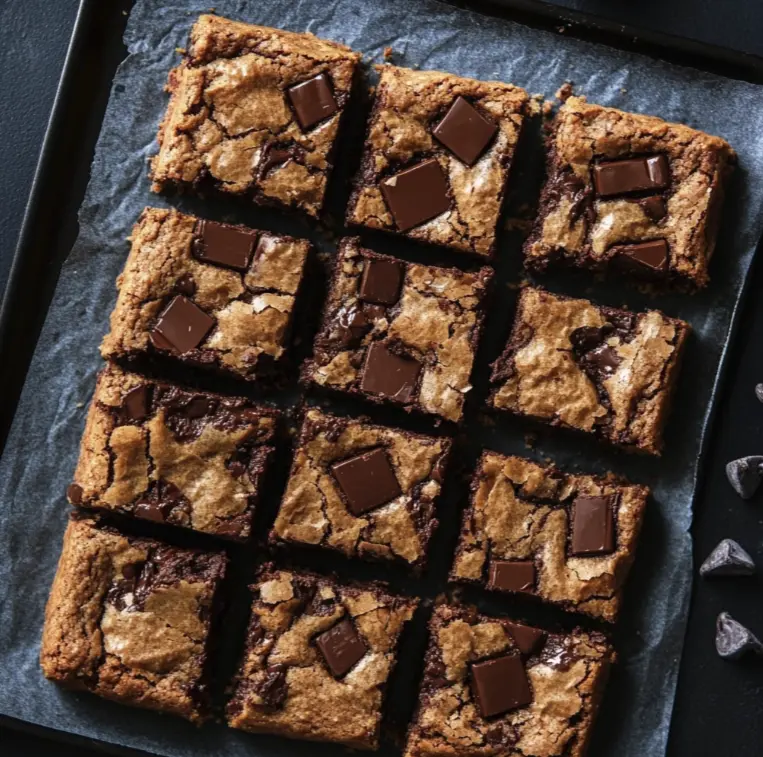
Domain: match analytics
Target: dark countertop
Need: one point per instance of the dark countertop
(715, 700)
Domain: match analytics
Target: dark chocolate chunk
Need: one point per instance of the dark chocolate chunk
(225, 245)
(654, 207)
(733, 640)
(587, 338)
(651, 256)
(603, 359)
(389, 375)
(465, 131)
(134, 406)
(273, 688)
(341, 647)
(567, 185)
(182, 326)
(313, 101)
(236, 527)
(417, 194)
(593, 527)
(278, 155)
(74, 494)
(381, 281)
(527, 638)
(367, 480)
(727, 559)
(745, 475)
(351, 325)
(512, 575)
(618, 177)
(164, 502)
(186, 285)
(500, 685)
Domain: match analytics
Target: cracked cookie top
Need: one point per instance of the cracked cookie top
(400, 332)
(567, 539)
(217, 296)
(437, 157)
(596, 369)
(492, 686)
(318, 658)
(254, 112)
(129, 619)
(160, 452)
(328, 501)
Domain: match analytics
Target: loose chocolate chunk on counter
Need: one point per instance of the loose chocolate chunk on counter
(651, 256)
(389, 374)
(417, 194)
(367, 480)
(465, 131)
(182, 326)
(728, 559)
(528, 639)
(512, 575)
(500, 685)
(745, 475)
(313, 101)
(593, 531)
(631, 175)
(733, 640)
(381, 282)
(225, 245)
(341, 647)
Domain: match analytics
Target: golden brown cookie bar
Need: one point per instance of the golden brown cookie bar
(629, 193)
(161, 452)
(400, 332)
(604, 371)
(254, 112)
(210, 295)
(129, 619)
(566, 539)
(437, 157)
(364, 490)
(318, 658)
(493, 686)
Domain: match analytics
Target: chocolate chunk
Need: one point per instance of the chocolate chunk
(74, 494)
(163, 502)
(654, 207)
(727, 559)
(618, 177)
(186, 285)
(512, 575)
(182, 326)
(351, 325)
(603, 359)
(417, 194)
(224, 245)
(759, 392)
(278, 155)
(745, 475)
(500, 685)
(148, 510)
(593, 527)
(273, 688)
(367, 480)
(381, 281)
(574, 190)
(236, 527)
(587, 338)
(733, 640)
(465, 131)
(341, 647)
(527, 638)
(389, 375)
(313, 101)
(134, 406)
(651, 256)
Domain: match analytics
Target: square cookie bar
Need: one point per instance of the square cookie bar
(493, 686)
(164, 453)
(437, 158)
(254, 112)
(630, 193)
(604, 371)
(567, 539)
(205, 294)
(318, 658)
(129, 619)
(400, 332)
(364, 490)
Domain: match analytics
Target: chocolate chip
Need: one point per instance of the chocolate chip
(618, 177)
(727, 559)
(389, 375)
(74, 494)
(733, 640)
(182, 325)
(759, 392)
(278, 155)
(527, 638)
(574, 190)
(654, 207)
(273, 689)
(512, 575)
(341, 647)
(186, 285)
(313, 101)
(745, 475)
(603, 359)
(465, 131)
(593, 528)
(417, 194)
(162, 503)
(148, 510)
(381, 281)
(225, 245)
(367, 480)
(500, 685)
(134, 407)
(652, 256)
(587, 338)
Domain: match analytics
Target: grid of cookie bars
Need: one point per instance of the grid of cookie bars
(174, 464)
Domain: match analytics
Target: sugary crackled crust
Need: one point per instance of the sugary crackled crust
(576, 227)
(128, 619)
(229, 107)
(252, 309)
(437, 320)
(195, 459)
(521, 511)
(284, 686)
(567, 678)
(408, 104)
(313, 510)
(538, 374)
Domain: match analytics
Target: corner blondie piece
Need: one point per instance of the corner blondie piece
(604, 371)
(206, 294)
(437, 158)
(366, 491)
(493, 686)
(254, 112)
(567, 539)
(318, 658)
(400, 332)
(157, 451)
(129, 619)
(631, 193)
